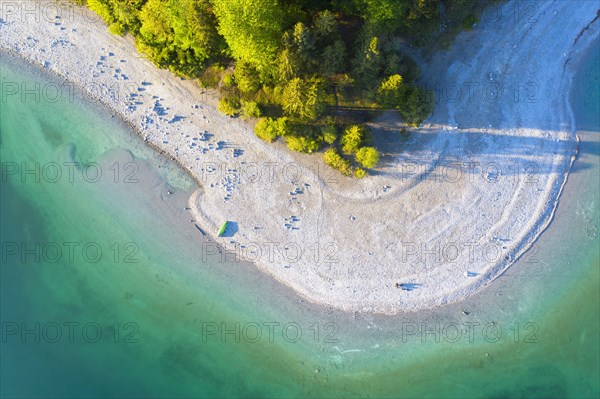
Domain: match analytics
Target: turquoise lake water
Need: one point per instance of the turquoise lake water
(106, 292)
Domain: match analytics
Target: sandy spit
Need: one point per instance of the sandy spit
(448, 210)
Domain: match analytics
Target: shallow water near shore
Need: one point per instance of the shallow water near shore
(167, 313)
(585, 94)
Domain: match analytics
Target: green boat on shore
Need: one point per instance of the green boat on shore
(223, 229)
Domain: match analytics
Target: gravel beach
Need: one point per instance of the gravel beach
(449, 208)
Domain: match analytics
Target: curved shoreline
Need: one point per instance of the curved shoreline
(375, 290)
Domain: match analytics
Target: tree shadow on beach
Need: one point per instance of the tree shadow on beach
(456, 149)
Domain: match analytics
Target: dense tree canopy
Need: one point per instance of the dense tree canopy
(303, 99)
(297, 62)
(353, 137)
(252, 30)
(367, 157)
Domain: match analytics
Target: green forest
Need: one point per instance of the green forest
(294, 66)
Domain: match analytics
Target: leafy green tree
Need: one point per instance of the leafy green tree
(288, 65)
(268, 129)
(252, 30)
(297, 57)
(392, 15)
(156, 22)
(102, 8)
(250, 109)
(178, 34)
(368, 157)
(303, 99)
(127, 13)
(325, 24)
(333, 58)
(390, 91)
(303, 42)
(385, 15)
(329, 134)
(353, 138)
(155, 32)
(368, 62)
(247, 77)
(211, 76)
(120, 15)
(360, 173)
(228, 80)
(337, 162)
(422, 14)
(195, 30)
(229, 105)
(302, 144)
(416, 105)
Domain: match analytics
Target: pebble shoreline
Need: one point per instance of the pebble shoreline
(469, 192)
